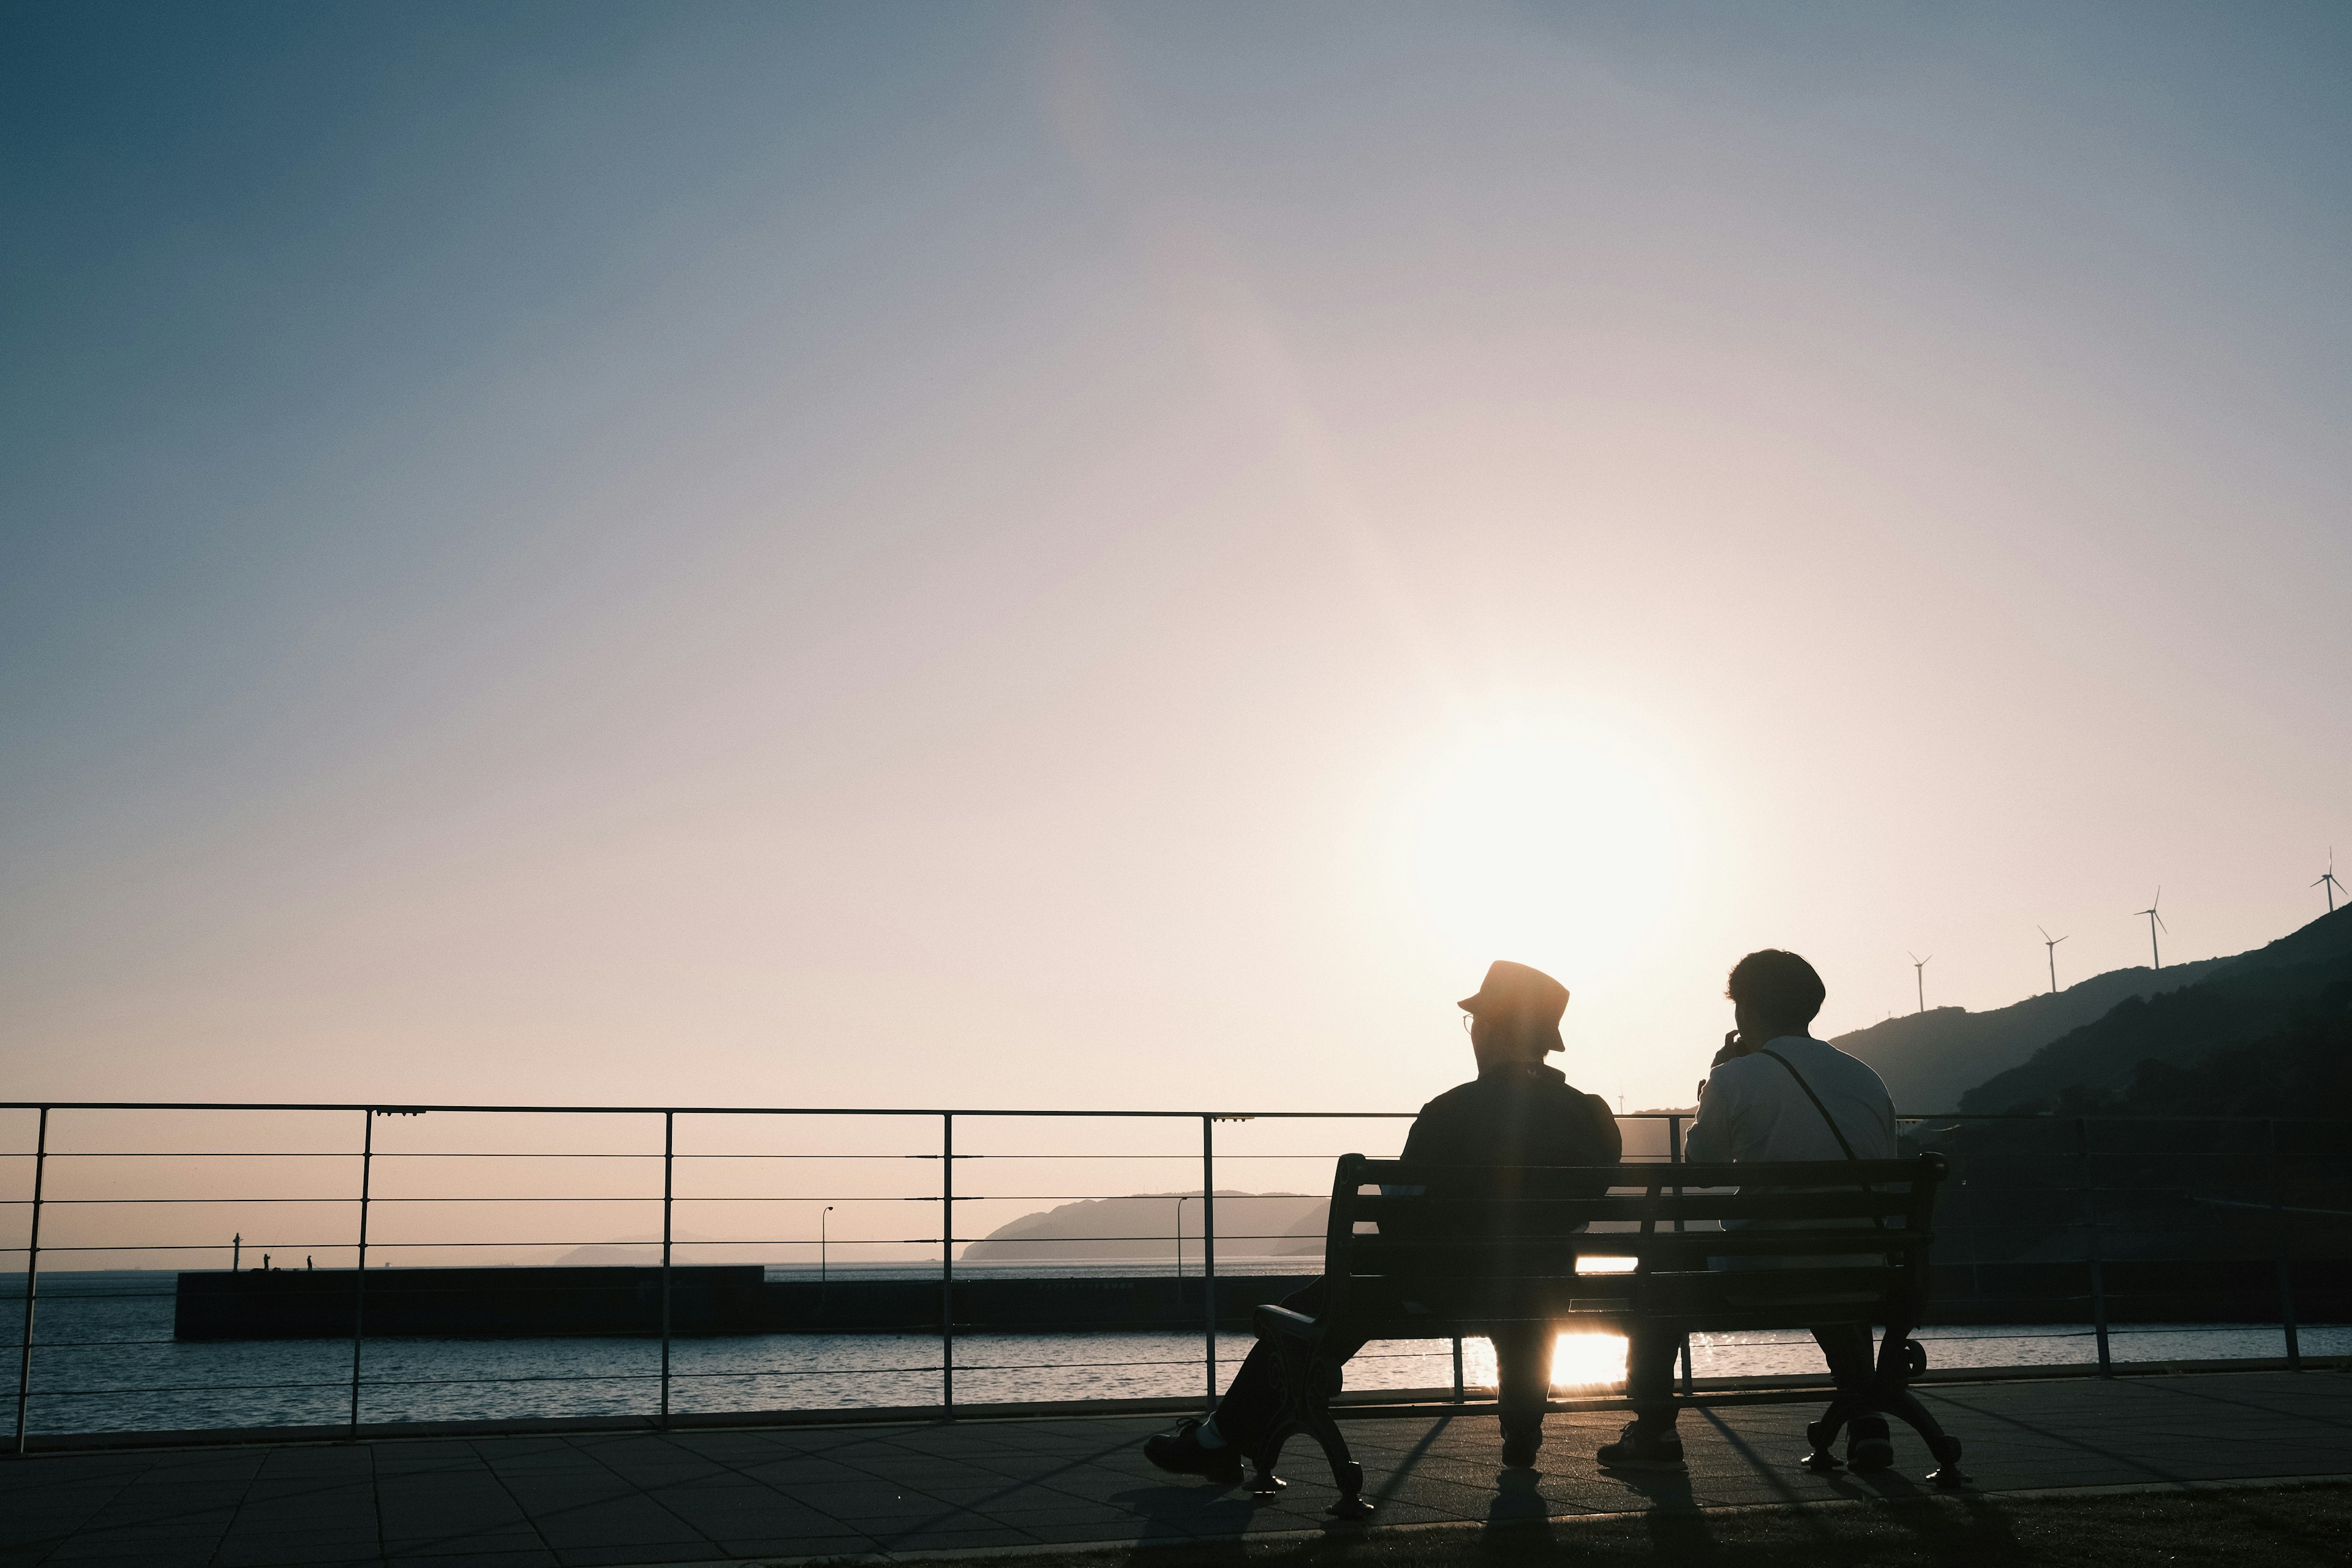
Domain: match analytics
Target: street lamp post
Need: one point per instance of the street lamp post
(823, 1240)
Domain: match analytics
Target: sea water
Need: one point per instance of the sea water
(104, 1359)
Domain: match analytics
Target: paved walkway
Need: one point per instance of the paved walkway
(707, 1495)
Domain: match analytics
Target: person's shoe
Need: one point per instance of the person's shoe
(1180, 1453)
(1868, 1444)
(1519, 1449)
(1636, 1449)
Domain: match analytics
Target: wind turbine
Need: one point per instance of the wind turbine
(2154, 922)
(2052, 943)
(2328, 882)
(1920, 973)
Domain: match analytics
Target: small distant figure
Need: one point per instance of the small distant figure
(265, 1263)
(1517, 1111)
(1776, 1094)
(306, 1264)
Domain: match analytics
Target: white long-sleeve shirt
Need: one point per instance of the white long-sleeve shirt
(1752, 1109)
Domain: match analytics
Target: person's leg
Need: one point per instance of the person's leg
(1254, 1402)
(1650, 1357)
(1648, 1439)
(1255, 1398)
(1523, 1367)
(1847, 1347)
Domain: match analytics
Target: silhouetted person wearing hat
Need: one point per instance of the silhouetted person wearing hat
(1517, 1111)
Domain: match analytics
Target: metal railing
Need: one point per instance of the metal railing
(2028, 1236)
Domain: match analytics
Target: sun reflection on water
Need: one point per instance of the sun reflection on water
(1577, 1361)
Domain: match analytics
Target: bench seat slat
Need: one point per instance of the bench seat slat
(1665, 1208)
(1440, 1256)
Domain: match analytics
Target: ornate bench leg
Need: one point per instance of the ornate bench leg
(1311, 1389)
(1940, 1443)
(1346, 1474)
(1297, 1362)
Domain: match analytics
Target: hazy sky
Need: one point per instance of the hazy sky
(933, 555)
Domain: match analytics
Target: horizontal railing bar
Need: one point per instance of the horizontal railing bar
(527, 1197)
(724, 1241)
(933, 1240)
(1694, 1188)
(390, 1110)
(412, 1110)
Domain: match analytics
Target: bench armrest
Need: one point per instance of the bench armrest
(1272, 1322)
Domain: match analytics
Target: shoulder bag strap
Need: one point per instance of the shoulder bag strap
(1876, 1223)
(1816, 1099)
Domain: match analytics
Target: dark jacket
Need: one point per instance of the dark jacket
(1516, 1114)
(1519, 1115)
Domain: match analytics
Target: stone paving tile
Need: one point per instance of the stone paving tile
(794, 1545)
(955, 1540)
(922, 1468)
(627, 1518)
(742, 1511)
(620, 1556)
(168, 1552)
(471, 1543)
(190, 1517)
(447, 1513)
(993, 1498)
(272, 1497)
(296, 1550)
(869, 1498)
(536, 1461)
(200, 1464)
(53, 1513)
(315, 1461)
(516, 1556)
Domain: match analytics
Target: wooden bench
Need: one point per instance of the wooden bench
(1421, 1251)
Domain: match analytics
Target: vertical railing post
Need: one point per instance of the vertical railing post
(2091, 1244)
(1459, 1392)
(2279, 1232)
(669, 1193)
(359, 1275)
(32, 1278)
(1674, 1156)
(947, 1261)
(1209, 1246)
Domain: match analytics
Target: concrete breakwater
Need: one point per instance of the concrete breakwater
(519, 1303)
(538, 1302)
(532, 1302)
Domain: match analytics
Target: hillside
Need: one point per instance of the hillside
(2302, 1070)
(1930, 1060)
(2241, 1001)
(1143, 1228)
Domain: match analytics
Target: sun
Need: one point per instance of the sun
(1559, 842)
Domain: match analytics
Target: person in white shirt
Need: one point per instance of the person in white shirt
(1755, 1108)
